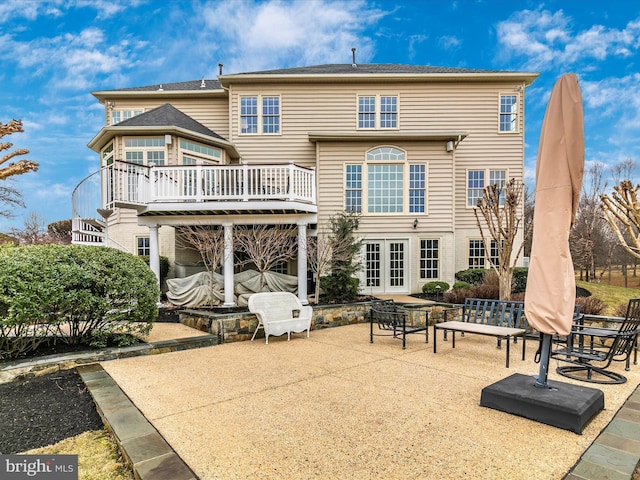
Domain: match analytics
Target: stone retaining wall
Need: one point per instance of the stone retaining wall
(237, 327)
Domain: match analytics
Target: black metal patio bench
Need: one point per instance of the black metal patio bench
(503, 319)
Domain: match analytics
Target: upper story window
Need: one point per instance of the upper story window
(193, 152)
(386, 183)
(508, 113)
(107, 154)
(477, 180)
(145, 151)
(260, 114)
(118, 116)
(377, 111)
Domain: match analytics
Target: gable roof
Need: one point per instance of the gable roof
(377, 72)
(322, 73)
(168, 116)
(366, 69)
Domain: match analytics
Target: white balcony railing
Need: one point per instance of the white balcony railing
(130, 184)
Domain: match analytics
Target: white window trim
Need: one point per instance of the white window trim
(137, 237)
(105, 157)
(201, 158)
(518, 112)
(487, 264)
(344, 186)
(405, 178)
(259, 98)
(425, 279)
(144, 150)
(129, 109)
(487, 172)
(378, 111)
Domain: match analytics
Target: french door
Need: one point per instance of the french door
(386, 266)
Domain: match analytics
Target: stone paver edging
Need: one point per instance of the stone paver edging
(149, 455)
(10, 371)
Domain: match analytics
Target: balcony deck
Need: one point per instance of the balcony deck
(197, 190)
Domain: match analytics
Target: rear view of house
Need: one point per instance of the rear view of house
(408, 148)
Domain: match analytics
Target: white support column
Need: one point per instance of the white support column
(302, 263)
(154, 251)
(228, 266)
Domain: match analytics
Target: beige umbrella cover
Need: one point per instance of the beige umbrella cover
(551, 286)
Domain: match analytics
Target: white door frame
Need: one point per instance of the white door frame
(385, 266)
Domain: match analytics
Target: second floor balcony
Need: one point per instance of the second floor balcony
(186, 188)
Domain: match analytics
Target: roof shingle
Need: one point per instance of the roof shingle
(168, 116)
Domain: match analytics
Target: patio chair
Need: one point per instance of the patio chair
(590, 360)
(390, 318)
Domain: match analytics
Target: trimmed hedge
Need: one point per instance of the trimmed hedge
(477, 276)
(473, 276)
(435, 288)
(519, 283)
(79, 294)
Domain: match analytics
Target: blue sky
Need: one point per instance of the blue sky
(54, 53)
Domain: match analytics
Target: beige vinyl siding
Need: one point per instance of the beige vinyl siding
(304, 109)
(332, 158)
(428, 108)
(423, 107)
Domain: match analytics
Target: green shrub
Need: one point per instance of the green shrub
(462, 285)
(519, 283)
(474, 276)
(164, 266)
(79, 294)
(435, 288)
(340, 287)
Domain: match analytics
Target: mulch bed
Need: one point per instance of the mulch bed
(43, 410)
(40, 411)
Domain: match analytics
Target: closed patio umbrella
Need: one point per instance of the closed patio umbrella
(551, 288)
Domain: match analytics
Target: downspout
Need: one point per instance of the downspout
(455, 206)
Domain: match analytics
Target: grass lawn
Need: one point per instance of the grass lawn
(98, 456)
(612, 295)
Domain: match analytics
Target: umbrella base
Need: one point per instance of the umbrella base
(562, 405)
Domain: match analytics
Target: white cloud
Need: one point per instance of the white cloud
(10, 9)
(618, 98)
(449, 42)
(290, 33)
(547, 40)
(71, 61)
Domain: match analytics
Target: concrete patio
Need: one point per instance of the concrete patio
(335, 406)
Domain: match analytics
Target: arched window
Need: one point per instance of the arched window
(386, 153)
(385, 183)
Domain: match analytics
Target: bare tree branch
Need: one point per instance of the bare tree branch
(23, 166)
(622, 213)
(500, 209)
(209, 242)
(266, 246)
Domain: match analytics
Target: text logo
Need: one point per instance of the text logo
(39, 467)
